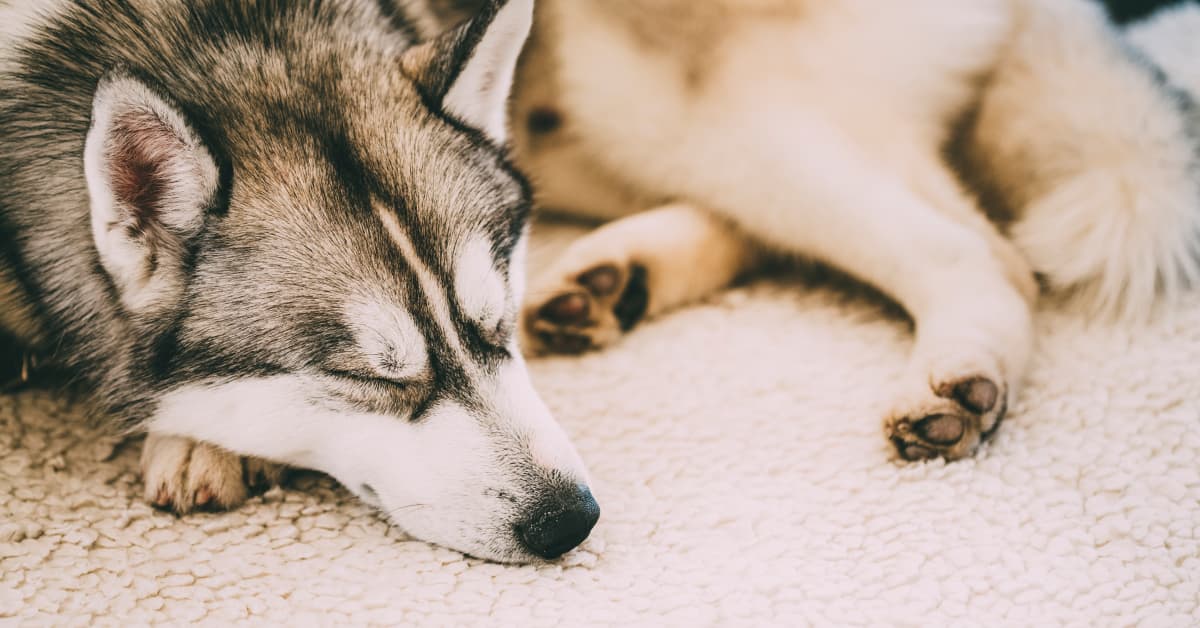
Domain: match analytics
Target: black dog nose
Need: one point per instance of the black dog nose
(559, 524)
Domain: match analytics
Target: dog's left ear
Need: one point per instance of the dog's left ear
(151, 179)
(468, 72)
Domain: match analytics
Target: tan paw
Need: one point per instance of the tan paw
(951, 423)
(587, 310)
(182, 475)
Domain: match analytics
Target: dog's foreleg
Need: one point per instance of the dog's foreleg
(182, 475)
(819, 194)
(640, 266)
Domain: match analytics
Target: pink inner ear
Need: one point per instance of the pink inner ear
(141, 148)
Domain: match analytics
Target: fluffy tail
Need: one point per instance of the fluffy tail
(1097, 153)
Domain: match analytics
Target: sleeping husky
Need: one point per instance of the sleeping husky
(839, 130)
(288, 229)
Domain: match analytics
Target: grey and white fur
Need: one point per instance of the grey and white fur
(288, 230)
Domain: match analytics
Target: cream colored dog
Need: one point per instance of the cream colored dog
(716, 130)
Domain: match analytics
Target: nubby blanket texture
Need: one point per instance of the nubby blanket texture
(737, 453)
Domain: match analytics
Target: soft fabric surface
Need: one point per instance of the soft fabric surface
(737, 453)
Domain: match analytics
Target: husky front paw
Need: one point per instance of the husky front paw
(589, 310)
(182, 475)
(950, 423)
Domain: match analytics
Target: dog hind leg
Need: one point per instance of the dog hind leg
(632, 268)
(820, 194)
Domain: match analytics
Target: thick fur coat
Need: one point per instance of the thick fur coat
(961, 157)
(262, 229)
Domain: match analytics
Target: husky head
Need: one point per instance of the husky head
(328, 256)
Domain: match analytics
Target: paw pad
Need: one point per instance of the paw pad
(598, 305)
(602, 281)
(978, 395)
(941, 429)
(959, 416)
(568, 309)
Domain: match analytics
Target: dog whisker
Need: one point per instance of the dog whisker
(402, 508)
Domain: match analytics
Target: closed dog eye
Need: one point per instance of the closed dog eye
(375, 380)
(495, 338)
(373, 393)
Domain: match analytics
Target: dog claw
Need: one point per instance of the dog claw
(183, 476)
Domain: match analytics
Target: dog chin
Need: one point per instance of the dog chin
(468, 482)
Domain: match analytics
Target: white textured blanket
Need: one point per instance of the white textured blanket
(738, 458)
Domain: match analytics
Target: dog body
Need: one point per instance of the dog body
(825, 129)
(288, 230)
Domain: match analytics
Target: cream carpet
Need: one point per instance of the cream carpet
(738, 459)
